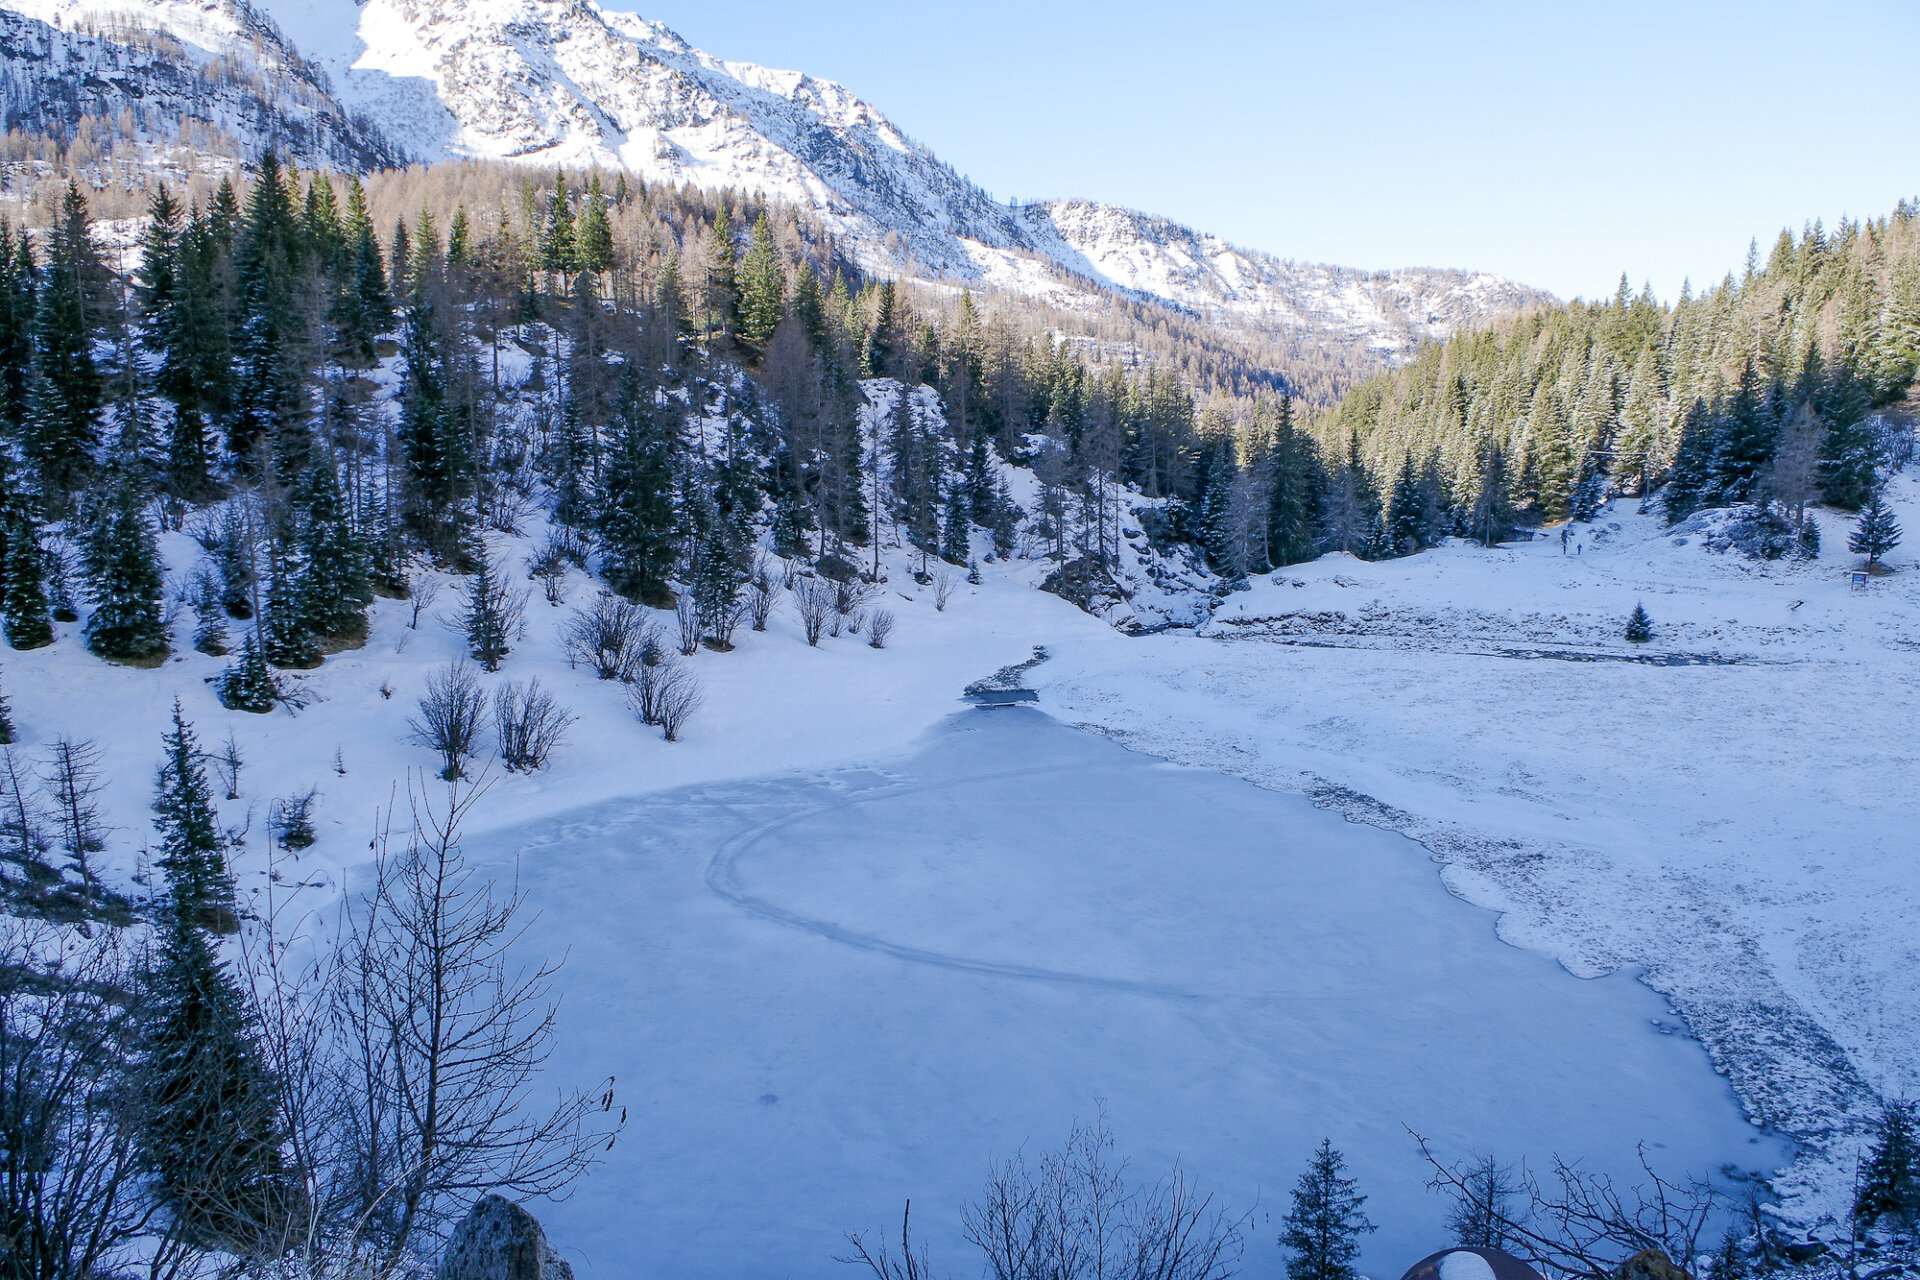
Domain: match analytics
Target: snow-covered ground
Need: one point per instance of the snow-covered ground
(1739, 824)
(1732, 820)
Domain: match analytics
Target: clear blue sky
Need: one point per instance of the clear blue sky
(1558, 143)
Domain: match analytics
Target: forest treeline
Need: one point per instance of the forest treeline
(674, 373)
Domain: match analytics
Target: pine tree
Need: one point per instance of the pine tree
(23, 564)
(287, 641)
(63, 429)
(336, 582)
(6, 720)
(596, 232)
(1323, 1227)
(210, 1133)
(1890, 1183)
(559, 250)
(269, 432)
(1877, 533)
(122, 563)
(492, 615)
(247, 685)
(1690, 479)
(1408, 529)
(763, 285)
(19, 293)
(636, 517)
(1639, 625)
(956, 532)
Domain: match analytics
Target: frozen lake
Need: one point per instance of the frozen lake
(825, 993)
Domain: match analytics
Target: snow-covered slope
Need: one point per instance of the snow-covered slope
(568, 82)
(169, 65)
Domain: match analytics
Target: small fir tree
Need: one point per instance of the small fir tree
(1639, 625)
(1890, 1183)
(247, 685)
(6, 720)
(122, 563)
(1877, 533)
(1322, 1229)
(492, 615)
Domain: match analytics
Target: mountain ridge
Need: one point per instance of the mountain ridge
(567, 82)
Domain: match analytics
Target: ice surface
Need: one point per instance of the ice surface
(824, 993)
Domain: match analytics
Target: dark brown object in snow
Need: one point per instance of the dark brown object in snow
(1503, 1265)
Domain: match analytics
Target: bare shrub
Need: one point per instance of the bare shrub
(73, 1196)
(942, 590)
(762, 595)
(608, 637)
(531, 724)
(650, 677)
(548, 568)
(1581, 1223)
(727, 621)
(452, 711)
(680, 697)
(1077, 1216)
(687, 615)
(424, 591)
(879, 627)
(814, 599)
(850, 596)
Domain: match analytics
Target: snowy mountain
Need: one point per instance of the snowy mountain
(554, 82)
(192, 74)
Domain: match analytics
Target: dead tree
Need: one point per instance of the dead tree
(71, 773)
(444, 1035)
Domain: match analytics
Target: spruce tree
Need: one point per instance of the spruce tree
(247, 685)
(1690, 479)
(122, 564)
(211, 1121)
(1639, 625)
(1408, 529)
(1323, 1227)
(287, 641)
(335, 585)
(636, 519)
(596, 232)
(763, 285)
(1877, 533)
(269, 433)
(23, 564)
(1890, 1183)
(956, 530)
(19, 293)
(6, 720)
(492, 615)
(559, 251)
(63, 428)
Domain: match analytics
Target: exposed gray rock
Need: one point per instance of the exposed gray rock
(499, 1240)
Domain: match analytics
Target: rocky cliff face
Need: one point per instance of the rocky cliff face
(554, 82)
